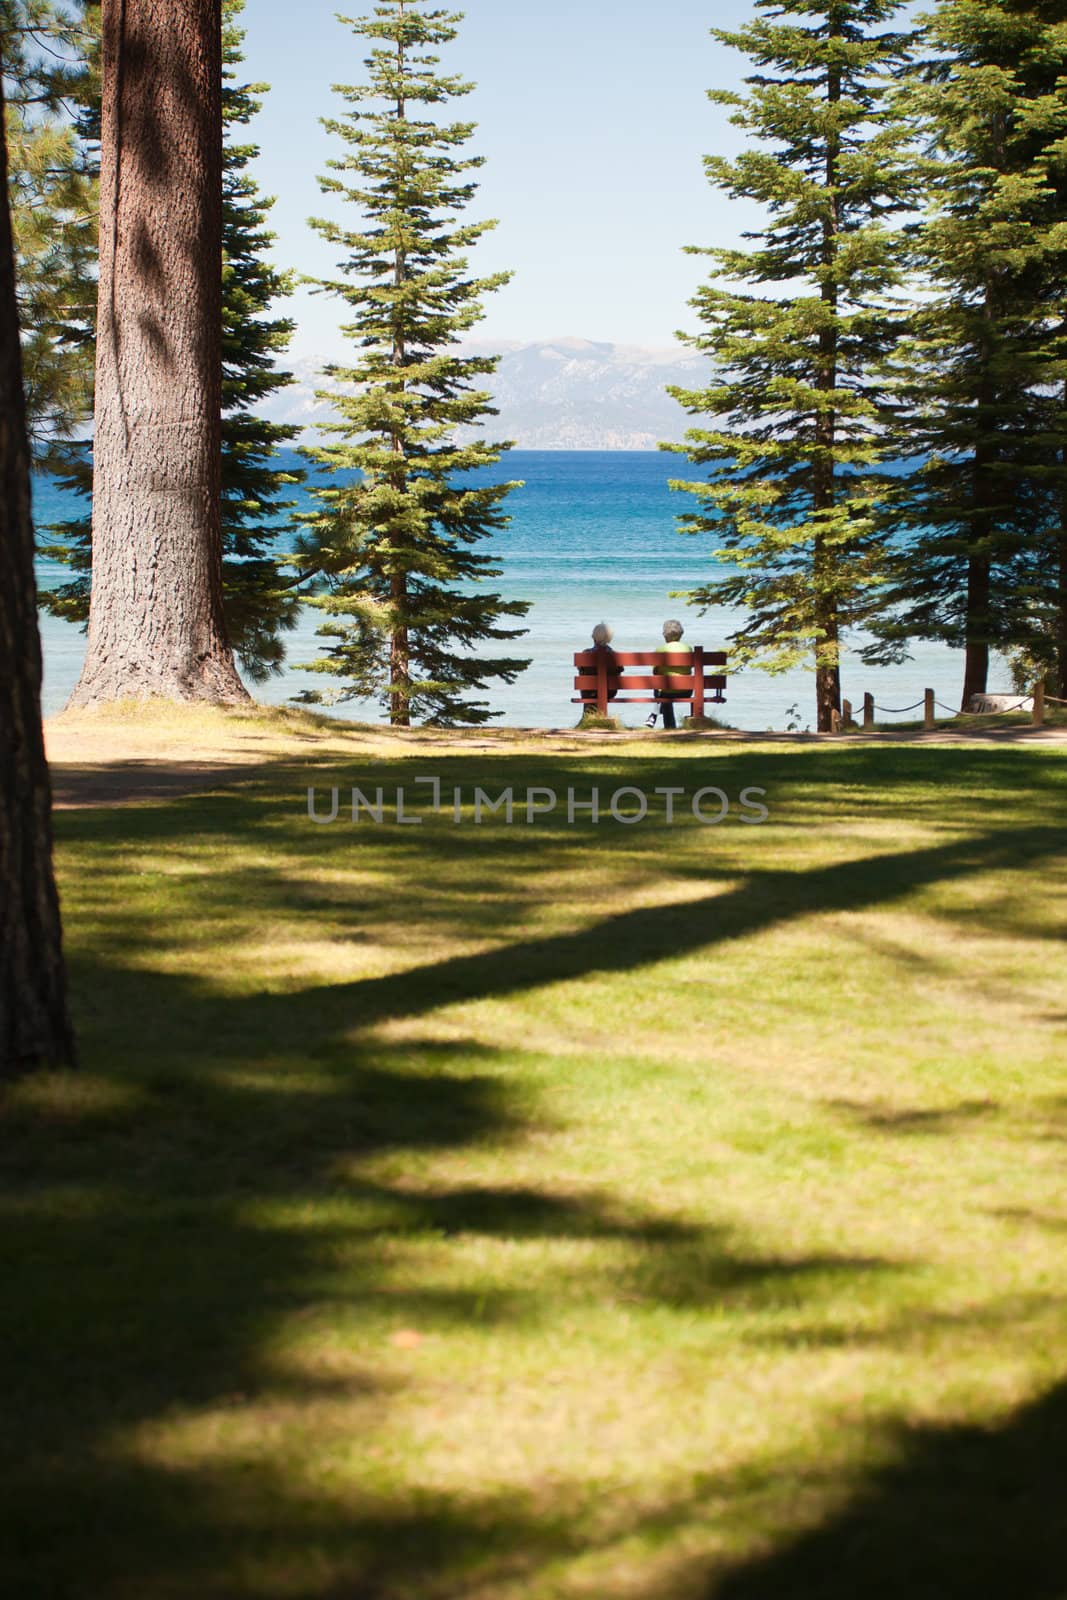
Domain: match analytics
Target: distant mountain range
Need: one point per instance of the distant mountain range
(555, 394)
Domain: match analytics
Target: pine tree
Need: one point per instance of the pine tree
(798, 397)
(260, 603)
(49, 54)
(156, 623)
(397, 545)
(981, 407)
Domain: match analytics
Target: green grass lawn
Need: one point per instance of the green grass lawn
(552, 1211)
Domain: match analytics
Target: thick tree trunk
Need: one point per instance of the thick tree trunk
(35, 1025)
(156, 621)
(976, 652)
(827, 696)
(828, 640)
(399, 663)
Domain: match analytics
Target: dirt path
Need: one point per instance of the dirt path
(133, 756)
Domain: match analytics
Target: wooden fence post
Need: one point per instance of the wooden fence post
(846, 714)
(835, 721)
(1038, 713)
(928, 709)
(868, 711)
(698, 683)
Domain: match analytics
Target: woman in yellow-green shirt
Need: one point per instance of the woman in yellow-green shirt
(673, 651)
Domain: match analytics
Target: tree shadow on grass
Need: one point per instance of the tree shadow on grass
(634, 939)
(87, 785)
(762, 899)
(168, 1221)
(216, 1182)
(963, 1513)
(923, 1120)
(435, 874)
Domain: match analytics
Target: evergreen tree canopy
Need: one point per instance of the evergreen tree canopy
(980, 396)
(50, 62)
(800, 336)
(397, 545)
(260, 602)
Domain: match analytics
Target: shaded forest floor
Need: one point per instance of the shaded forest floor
(455, 1209)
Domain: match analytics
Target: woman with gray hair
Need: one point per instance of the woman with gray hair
(678, 653)
(602, 637)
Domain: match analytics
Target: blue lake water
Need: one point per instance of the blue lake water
(593, 537)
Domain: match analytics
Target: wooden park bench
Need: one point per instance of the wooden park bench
(598, 673)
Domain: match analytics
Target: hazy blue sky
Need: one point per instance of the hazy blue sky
(593, 120)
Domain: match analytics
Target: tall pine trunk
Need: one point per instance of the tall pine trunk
(399, 659)
(977, 626)
(976, 650)
(827, 644)
(156, 621)
(35, 1026)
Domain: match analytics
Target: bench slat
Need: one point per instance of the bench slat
(642, 699)
(648, 680)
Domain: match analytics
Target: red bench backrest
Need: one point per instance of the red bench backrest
(598, 675)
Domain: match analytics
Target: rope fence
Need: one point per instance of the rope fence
(1034, 702)
(898, 711)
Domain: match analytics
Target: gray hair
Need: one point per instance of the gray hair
(672, 630)
(602, 634)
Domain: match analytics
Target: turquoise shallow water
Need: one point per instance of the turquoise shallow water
(593, 537)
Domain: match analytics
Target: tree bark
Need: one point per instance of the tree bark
(399, 661)
(156, 623)
(978, 620)
(1060, 673)
(35, 1027)
(976, 651)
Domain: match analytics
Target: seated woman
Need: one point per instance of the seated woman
(602, 637)
(674, 662)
